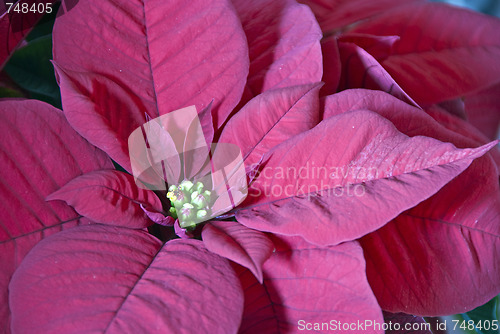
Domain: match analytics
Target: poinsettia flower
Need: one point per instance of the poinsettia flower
(109, 197)
(87, 261)
(375, 172)
(170, 154)
(41, 153)
(274, 51)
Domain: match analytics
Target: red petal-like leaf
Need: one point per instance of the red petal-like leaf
(40, 152)
(431, 275)
(379, 47)
(238, 243)
(283, 39)
(159, 218)
(271, 118)
(306, 285)
(115, 280)
(361, 70)
(334, 14)
(433, 67)
(464, 128)
(355, 160)
(446, 266)
(167, 55)
(109, 197)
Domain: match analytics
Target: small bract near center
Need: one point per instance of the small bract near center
(190, 203)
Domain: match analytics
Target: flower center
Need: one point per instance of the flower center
(190, 203)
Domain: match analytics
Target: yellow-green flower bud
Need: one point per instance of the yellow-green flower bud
(190, 203)
(200, 200)
(199, 187)
(172, 212)
(200, 214)
(187, 211)
(186, 186)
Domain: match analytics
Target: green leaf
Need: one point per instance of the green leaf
(486, 313)
(30, 68)
(8, 92)
(44, 26)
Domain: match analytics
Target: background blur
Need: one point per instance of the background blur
(491, 7)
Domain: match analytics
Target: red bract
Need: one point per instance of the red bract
(337, 14)
(282, 44)
(95, 259)
(242, 245)
(483, 111)
(109, 197)
(132, 284)
(461, 61)
(371, 165)
(95, 263)
(377, 168)
(433, 61)
(444, 277)
(40, 153)
(171, 55)
(301, 290)
(360, 66)
(462, 57)
(280, 56)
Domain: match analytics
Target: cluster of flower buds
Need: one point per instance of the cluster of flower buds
(190, 203)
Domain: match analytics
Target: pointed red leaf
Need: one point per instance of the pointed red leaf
(283, 39)
(361, 70)
(40, 152)
(446, 266)
(109, 197)
(158, 217)
(334, 14)
(402, 116)
(271, 118)
(238, 243)
(433, 67)
(355, 160)
(431, 275)
(405, 118)
(167, 55)
(464, 128)
(304, 285)
(115, 280)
